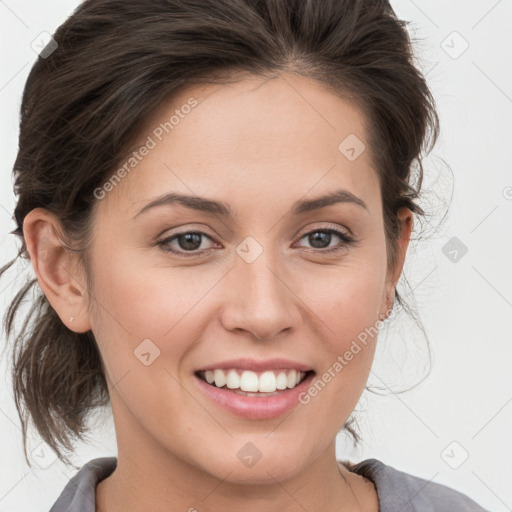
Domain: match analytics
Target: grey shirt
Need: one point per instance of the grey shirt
(397, 491)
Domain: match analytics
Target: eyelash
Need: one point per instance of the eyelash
(346, 241)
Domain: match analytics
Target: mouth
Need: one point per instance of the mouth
(254, 383)
(258, 394)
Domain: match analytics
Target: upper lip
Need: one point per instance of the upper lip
(255, 365)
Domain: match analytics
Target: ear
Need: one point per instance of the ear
(405, 217)
(56, 269)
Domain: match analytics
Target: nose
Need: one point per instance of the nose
(261, 299)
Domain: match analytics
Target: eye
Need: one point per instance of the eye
(321, 238)
(186, 241)
(191, 241)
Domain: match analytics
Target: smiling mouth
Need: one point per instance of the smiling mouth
(250, 383)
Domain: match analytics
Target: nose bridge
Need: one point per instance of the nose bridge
(264, 304)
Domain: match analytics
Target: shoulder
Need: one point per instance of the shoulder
(80, 492)
(408, 493)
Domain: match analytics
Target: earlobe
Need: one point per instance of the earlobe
(55, 269)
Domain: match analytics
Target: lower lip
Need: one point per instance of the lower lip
(255, 407)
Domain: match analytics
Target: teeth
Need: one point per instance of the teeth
(219, 377)
(267, 382)
(249, 381)
(232, 380)
(292, 379)
(281, 380)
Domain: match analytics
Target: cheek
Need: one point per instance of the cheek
(355, 307)
(347, 305)
(347, 299)
(345, 347)
(144, 325)
(136, 301)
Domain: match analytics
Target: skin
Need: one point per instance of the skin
(258, 146)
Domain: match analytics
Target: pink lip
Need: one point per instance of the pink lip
(255, 407)
(257, 366)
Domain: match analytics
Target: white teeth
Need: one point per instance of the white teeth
(292, 379)
(267, 382)
(281, 380)
(249, 381)
(220, 378)
(252, 382)
(232, 380)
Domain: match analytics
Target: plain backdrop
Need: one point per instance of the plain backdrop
(452, 428)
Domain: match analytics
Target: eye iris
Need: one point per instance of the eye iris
(192, 241)
(321, 236)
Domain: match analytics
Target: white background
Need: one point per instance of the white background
(464, 407)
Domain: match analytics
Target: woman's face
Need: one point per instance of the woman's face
(267, 282)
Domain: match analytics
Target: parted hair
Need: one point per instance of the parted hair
(83, 107)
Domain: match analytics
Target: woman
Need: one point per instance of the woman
(216, 200)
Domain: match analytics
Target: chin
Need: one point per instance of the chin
(247, 465)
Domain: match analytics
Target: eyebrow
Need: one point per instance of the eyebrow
(213, 207)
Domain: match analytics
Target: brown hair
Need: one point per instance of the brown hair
(116, 61)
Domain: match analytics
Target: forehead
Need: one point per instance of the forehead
(269, 138)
